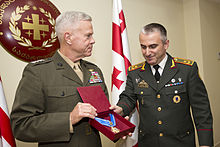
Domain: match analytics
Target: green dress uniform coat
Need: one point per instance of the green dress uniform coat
(44, 99)
(165, 119)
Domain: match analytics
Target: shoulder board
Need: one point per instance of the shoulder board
(41, 61)
(184, 61)
(136, 66)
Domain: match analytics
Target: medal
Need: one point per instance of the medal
(174, 84)
(95, 78)
(108, 123)
(176, 99)
(115, 130)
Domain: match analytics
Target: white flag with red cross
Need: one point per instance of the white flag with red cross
(6, 136)
(121, 60)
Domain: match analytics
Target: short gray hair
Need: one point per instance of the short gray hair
(155, 27)
(69, 20)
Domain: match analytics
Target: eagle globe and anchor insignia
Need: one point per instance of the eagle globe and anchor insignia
(27, 28)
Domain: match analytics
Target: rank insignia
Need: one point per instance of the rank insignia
(95, 78)
(137, 80)
(143, 84)
(176, 99)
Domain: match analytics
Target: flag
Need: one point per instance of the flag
(120, 62)
(6, 137)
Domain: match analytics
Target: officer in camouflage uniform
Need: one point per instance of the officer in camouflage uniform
(166, 88)
(47, 107)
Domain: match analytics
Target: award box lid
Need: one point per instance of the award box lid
(95, 96)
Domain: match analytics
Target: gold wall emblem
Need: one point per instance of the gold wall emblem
(27, 28)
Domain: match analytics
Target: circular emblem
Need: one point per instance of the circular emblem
(176, 99)
(27, 28)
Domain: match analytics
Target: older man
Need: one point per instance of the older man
(47, 107)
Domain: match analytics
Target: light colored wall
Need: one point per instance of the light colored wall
(210, 22)
(171, 13)
(193, 32)
(201, 19)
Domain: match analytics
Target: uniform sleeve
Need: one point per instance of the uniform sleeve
(200, 108)
(127, 99)
(29, 120)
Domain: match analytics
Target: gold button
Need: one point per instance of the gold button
(142, 92)
(159, 108)
(158, 96)
(161, 134)
(159, 122)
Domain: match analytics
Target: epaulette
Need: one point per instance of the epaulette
(184, 61)
(136, 66)
(41, 61)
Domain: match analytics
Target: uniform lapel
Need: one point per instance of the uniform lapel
(65, 68)
(168, 73)
(86, 72)
(147, 76)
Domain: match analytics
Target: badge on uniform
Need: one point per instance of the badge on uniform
(137, 80)
(143, 84)
(95, 78)
(175, 83)
(176, 99)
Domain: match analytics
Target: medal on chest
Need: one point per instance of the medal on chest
(95, 78)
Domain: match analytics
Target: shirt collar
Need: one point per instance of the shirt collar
(71, 63)
(163, 62)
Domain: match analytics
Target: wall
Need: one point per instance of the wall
(201, 18)
(210, 22)
(193, 32)
(137, 13)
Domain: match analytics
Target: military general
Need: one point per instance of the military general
(167, 88)
(47, 107)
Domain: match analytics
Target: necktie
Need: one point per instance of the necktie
(157, 74)
(78, 71)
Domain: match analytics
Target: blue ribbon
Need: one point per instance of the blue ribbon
(105, 122)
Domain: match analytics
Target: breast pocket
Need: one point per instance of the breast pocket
(145, 96)
(176, 94)
(62, 98)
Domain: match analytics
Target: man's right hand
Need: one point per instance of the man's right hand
(117, 109)
(82, 110)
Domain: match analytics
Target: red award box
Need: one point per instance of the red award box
(97, 98)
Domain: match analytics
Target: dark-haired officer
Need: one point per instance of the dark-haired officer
(166, 88)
